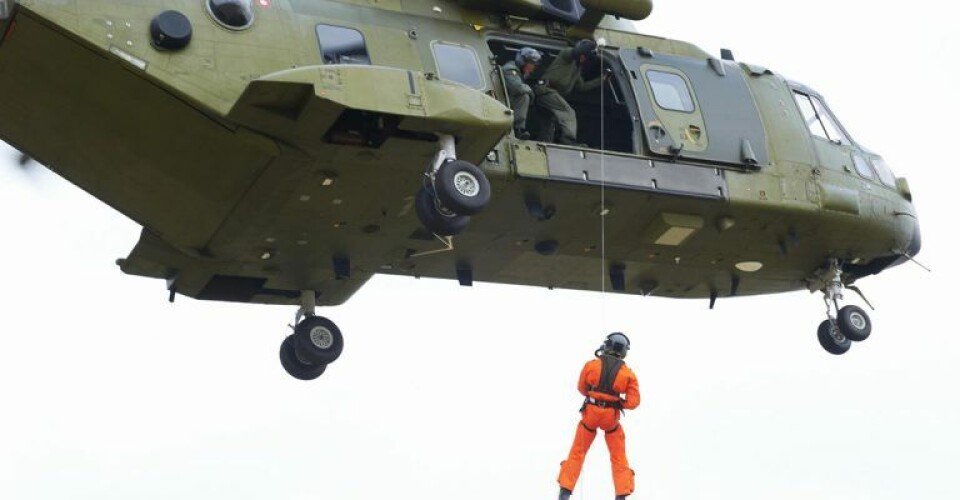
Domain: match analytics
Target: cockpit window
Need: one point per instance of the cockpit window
(458, 63)
(862, 167)
(670, 91)
(341, 45)
(819, 120)
(883, 170)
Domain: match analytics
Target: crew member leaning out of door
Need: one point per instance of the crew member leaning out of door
(561, 79)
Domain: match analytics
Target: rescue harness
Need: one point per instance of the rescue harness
(609, 368)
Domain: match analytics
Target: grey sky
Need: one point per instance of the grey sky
(109, 392)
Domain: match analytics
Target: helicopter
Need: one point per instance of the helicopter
(285, 151)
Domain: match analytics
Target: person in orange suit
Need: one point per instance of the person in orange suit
(602, 382)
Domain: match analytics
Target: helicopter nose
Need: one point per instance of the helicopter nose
(914, 247)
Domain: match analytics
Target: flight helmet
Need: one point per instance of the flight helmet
(585, 47)
(528, 55)
(616, 344)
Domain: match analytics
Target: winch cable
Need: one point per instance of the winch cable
(603, 193)
(603, 225)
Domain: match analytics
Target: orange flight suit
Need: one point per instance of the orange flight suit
(606, 418)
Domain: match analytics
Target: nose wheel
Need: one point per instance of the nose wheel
(831, 339)
(296, 365)
(843, 325)
(453, 190)
(315, 343)
(854, 323)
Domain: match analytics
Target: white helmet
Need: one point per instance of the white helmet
(616, 344)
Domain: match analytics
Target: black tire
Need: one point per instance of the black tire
(462, 187)
(296, 367)
(854, 323)
(443, 224)
(318, 340)
(827, 335)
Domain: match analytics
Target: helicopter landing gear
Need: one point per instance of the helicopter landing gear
(436, 217)
(453, 190)
(831, 339)
(854, 323)
(850, 323)
(297, 366)
(316, 342)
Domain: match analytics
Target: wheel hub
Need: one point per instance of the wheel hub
(837, 336)
(321, 337)
(466, 184)
(858, 321)
(442, 210)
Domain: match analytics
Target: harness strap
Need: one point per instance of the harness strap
(609, 368)
(604, 404)
(606, 431)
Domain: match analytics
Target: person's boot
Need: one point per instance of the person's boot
(572, 141)
(621, 497)
(564, 494)
(521, 133)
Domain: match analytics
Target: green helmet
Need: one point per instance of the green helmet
(585, 47)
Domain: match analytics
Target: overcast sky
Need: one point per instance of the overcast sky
(109, 392)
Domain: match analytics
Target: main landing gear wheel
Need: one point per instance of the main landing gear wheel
(318, 340)
(452, 191)
(436, 217)
(295, 365)
(831, 339)
(854, 323)
(462, 187)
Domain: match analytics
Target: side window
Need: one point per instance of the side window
(458, 63)
(341, 45)
(670, 91)
(819, 120)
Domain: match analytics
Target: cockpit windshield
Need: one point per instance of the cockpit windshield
(819, 120)
(823, 124)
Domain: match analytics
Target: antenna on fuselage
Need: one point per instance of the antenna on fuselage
(911, 259)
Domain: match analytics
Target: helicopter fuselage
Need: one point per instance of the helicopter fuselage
(282, 153)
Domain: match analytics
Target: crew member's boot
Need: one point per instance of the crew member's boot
(572, 141)
(564, 494)
(521, 133)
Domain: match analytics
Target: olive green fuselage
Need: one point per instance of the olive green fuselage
(259, 170)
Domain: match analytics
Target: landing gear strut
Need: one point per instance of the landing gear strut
(452, 191)
(316, 342)
(850, 323)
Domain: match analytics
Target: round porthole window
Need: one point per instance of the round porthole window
(231, 14)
